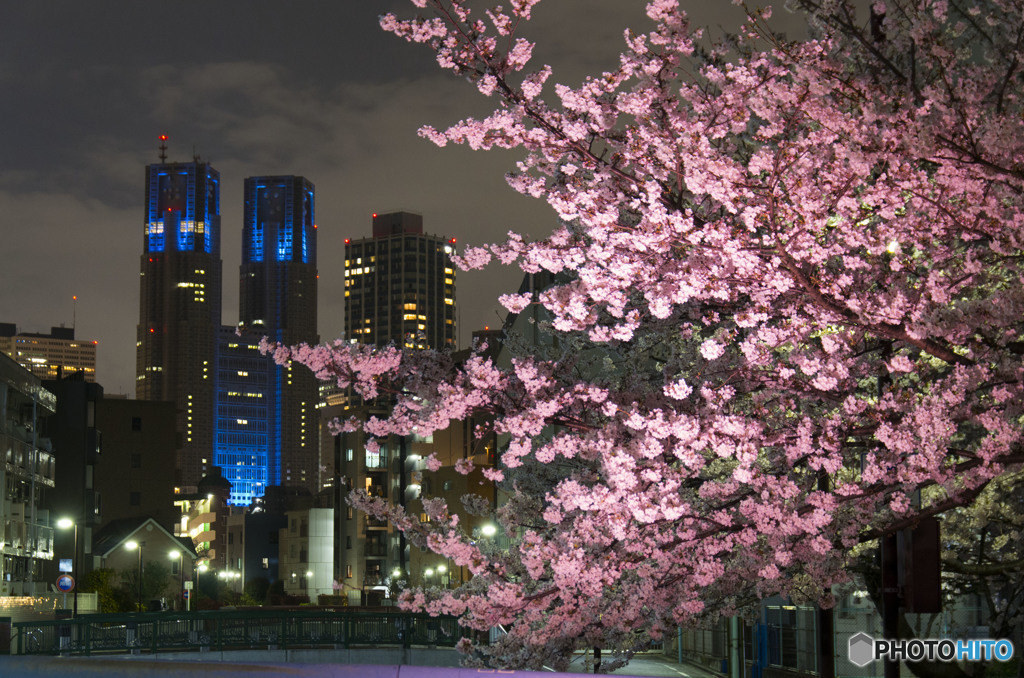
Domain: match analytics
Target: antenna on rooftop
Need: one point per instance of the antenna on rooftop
(163, 148)
(74, 310)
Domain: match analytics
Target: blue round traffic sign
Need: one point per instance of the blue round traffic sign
(65, 583)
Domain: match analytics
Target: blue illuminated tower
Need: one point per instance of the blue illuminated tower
(267, 425)
(180, 303)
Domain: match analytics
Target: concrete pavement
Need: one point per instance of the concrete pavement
(315, 664)
(651, 664)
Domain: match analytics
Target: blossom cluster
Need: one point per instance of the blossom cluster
(795, 271)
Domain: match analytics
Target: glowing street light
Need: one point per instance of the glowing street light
(64, 524)
(178, 554)
(441, 570)
(131, 546)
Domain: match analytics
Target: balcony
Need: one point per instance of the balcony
(376, 460)
(378, 550)
(380, 491)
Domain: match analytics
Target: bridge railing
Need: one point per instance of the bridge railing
(154, 632)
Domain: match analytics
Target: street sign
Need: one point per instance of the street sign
(65, 583)
(184, 594)
(188, 585)
(65, 565)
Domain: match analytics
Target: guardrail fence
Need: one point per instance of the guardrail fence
(230, 630)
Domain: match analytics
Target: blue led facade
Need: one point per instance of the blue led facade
(279, 215)
(182, 208)
(245, 421)
(267, 428)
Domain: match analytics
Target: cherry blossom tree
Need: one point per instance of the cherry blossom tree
(789, 295)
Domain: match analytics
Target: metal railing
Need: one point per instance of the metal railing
(230, 630)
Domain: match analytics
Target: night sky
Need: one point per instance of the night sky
(304, 87)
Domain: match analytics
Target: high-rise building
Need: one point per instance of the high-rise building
(50, 356)
(180, 304)
(400, 285)
(400, 289)
(267, 428)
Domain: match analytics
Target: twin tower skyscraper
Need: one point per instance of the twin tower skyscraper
(236, 409)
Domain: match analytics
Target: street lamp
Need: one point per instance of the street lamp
(441, 569)
(488, 530)
(131, 546)
(178, 554)
(203, 567)
(65, 523)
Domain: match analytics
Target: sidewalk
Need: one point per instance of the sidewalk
(652, 664)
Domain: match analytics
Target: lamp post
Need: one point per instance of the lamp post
(203, 567)
(177, 554)
(131, 546)
(65, 523)
(441, 570)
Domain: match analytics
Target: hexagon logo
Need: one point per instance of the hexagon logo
(861, 649)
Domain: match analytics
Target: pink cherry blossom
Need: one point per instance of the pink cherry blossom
(786, 295)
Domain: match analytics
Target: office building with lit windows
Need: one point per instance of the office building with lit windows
(180, 305)
(50, 356)
(400, 285)
(400, 289)
(267, 426)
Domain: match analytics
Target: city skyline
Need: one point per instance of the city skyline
(319, 91)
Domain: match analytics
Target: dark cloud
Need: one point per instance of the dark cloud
(297, 87)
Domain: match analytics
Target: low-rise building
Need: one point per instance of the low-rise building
(130, 544)
(306, 545)
(204, 519)
(50, 356)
